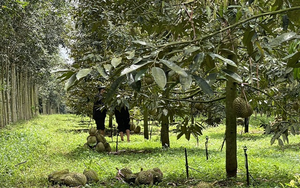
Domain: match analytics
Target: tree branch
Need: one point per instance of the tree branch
(231, 26)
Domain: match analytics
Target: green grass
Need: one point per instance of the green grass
(30, 151)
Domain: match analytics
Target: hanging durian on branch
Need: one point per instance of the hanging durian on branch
(242, 108)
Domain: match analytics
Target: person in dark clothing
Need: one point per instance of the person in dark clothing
(123, 119)
(99, 111)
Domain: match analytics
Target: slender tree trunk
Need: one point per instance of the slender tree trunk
(231, 145)
(2, 123)
(8, 94)
(165, 139)
(146, 126)
(14, 93)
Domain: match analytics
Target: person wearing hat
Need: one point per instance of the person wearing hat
(99, 111)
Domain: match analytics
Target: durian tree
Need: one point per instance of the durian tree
(204, 45)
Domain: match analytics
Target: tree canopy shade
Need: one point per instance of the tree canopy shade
(29, 35)
(207, 49)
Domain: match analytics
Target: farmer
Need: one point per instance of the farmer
(123, 119)
(99, 111)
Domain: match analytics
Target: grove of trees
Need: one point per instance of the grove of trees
(30, 34)
(166, 57)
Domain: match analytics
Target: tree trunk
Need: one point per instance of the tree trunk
(8, 93)
(246, 123)
(231, 145)
(146, 126)
(165, 140)
(14, 93)
(2, 123)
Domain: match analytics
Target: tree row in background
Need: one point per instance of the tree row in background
(30, 33)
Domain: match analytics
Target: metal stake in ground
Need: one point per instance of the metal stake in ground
(246, 165)
(117, 142)
(206, 147)
(186, 164)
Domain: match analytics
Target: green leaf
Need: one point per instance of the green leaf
(191, 49)
(70, 82)
(282, 38)
(179, 135)
(228, 61)
(116, 61)
(203, 85)
(130, 54)
(280, 142)
(143, 43)
(174, 67)
(199, 58)
(159, 77)
(114, 87)
(233, 75)
(293, 60)
(102, 72)
(83, 73)
(133, 67)
(186, 82)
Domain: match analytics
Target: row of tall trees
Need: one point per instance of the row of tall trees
(30, 33)
(164, 55)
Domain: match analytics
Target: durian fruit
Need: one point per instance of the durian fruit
(91, 176)
(107, 147)
(137, 129)
(86, 146)
(132, 126)
(57, 177)
(242, 108)
(100, 147)
(100, 138)
(148, 79)
(144, 178)
(92, 131)
(127, 175)
(199, 106)
(75, 179)
(157, 175)
(92, 141)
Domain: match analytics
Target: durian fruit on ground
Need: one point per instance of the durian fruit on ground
(137, 129)
(126, 175)
(100, 137)
(97, 141)
(92, 141)
(56, 177)
(100, 147)
(242, 108)
(93, 131)
(144, 178)
(148, 177)
(67, 178)
(91, 176)
(75, 179)
(132, 126)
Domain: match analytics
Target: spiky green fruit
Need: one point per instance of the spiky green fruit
(75, 179)
(100, 138)
(144, 178)
(92, 131)
(92, 141)
(107, 147)
(57, 177)
(91, 176)
(137, 129)
(242, 108)
(100, 147)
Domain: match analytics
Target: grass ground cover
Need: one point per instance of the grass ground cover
(30, 151)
